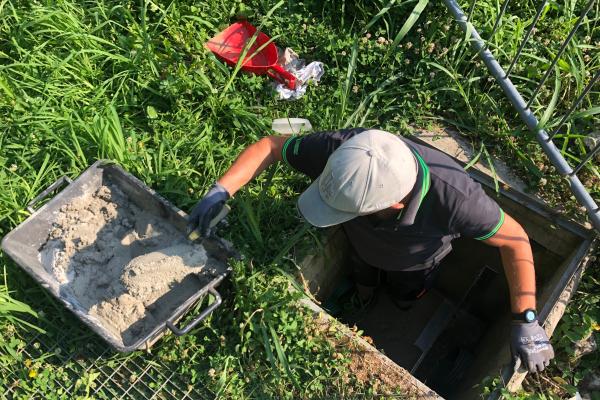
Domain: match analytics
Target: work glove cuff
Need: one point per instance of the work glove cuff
(220, 191)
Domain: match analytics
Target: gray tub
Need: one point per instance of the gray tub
(23, 245)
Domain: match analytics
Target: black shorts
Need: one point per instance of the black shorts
(404, 285)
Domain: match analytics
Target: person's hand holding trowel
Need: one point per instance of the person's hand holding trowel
(209, 210)
(212, 208)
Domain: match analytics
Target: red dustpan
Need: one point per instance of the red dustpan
(229, 45)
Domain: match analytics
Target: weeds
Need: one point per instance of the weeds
(131, 81)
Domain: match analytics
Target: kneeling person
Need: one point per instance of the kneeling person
(400, 204)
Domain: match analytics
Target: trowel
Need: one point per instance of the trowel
(213, 244)
(195, 234)
(260, 58)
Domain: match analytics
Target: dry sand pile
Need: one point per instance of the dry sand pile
(115, 261)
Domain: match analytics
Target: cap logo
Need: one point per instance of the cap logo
(326, 186)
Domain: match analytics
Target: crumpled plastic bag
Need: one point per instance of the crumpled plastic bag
(304, 74)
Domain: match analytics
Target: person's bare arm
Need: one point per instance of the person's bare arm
(252, 161)
(528, 340)
(517, 260)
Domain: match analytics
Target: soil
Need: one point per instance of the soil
(117, 262)
(367, 364)
(382, 375)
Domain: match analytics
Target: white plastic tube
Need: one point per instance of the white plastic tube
(291, 126)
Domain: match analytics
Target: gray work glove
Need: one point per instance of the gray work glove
(529, 341)
(207, 208)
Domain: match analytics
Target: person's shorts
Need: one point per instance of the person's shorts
(403, 285)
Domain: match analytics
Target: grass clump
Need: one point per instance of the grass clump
(131, 81)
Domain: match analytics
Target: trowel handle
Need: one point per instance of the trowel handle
(278, 73)
(215, 304)
(222, 214)
(194, 235)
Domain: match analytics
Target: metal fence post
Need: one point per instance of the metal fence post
(528, 117)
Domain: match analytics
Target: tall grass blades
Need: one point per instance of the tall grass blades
(131, 81)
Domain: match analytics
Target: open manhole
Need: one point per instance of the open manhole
(458, 333)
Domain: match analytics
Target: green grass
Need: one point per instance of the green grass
(131, 81)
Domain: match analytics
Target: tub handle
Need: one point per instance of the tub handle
(58, 183)
(199, 318)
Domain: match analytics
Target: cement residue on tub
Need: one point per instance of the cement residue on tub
(117, 262)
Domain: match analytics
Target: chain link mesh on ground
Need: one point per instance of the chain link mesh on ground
(86, 366)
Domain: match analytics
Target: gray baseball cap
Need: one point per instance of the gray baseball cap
(368, 173)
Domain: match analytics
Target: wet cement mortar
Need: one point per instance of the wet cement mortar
(114, 261)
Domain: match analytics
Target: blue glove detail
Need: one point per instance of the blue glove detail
(529, 341)
(206, 209)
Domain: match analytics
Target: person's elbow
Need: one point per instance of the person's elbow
(510, 236)
(273, 146)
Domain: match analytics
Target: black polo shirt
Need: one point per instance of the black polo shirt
(445, 204)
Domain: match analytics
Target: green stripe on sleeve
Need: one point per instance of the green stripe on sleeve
(284, 149)
(297, 146)
(426, 177)
(496, 228)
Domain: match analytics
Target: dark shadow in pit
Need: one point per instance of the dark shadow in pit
(438, 339)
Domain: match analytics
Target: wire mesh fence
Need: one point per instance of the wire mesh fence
(554, 149)
(96, 373)
(69, 361)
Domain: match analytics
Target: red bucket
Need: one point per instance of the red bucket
(229, 45)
